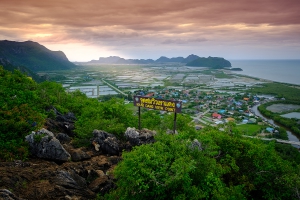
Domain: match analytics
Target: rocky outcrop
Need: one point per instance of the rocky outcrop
(69, 182)
(43, 144)
(37, 179)
(78, 155)
(63, 138)
(196, 145)
(61, 123)
(106, 142)
(140, 137)
(89, 173)
(7, 195)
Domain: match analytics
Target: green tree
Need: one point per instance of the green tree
(221, 166)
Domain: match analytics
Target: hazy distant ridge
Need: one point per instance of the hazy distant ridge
(33, 56)
(191, 60)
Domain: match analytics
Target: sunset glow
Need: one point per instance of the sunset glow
(259, 29)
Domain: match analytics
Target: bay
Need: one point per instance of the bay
(285, 71)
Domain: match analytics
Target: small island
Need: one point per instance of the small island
(236, 69)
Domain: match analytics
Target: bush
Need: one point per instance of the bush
(227, 167)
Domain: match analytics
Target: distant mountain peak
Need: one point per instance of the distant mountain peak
(34, 56)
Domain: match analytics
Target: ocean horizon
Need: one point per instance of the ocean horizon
(285, 71)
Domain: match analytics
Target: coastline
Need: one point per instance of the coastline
(278, 71)
(261, 79)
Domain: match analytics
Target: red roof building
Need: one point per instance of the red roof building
(216, 116)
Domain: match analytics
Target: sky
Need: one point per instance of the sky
(142, 29)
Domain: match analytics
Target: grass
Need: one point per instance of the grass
(130, 106)
(249, 129)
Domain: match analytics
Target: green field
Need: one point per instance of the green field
(249, 129)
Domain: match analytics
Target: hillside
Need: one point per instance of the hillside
(9, 67)
(190, 58)
(33, 56)
(212, 62)
(59, 145)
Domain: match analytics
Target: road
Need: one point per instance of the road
(116, 89)
(277, 140)
(200, 115)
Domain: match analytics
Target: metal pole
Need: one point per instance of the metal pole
(175, 115)
(139, 118)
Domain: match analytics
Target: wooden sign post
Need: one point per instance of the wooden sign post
(157, 104)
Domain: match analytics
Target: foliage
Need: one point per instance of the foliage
(227, 167)
(38, 137)
(286, 122)
(24, 105)
(151, 119)
(288, 152)
(19, 114)
(111, 116)
(10, 67)
(278, 89)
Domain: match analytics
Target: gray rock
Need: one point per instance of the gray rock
(71, 183)
(43, 144)
(196, 145)
(143, 136)
(78, 155)
(61, 123)
(107, 142)
(63, 138)
(171, 131)
(7, 195)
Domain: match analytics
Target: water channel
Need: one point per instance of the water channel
(291, 136)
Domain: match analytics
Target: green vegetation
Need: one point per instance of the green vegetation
(212, 62)
(23, 109)
(222, 165)
(250, 129)
(278, 89)
(286, 122)
(38, 138)
(10, 67)
(217, 73)
(225, 166)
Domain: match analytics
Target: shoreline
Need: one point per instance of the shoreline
(262, 79)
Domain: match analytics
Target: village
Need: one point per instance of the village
(213, 107)
(210, 97)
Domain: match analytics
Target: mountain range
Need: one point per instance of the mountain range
(162, 59)
(191, 60)
(33, 56)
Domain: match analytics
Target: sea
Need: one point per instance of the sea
(285, 71)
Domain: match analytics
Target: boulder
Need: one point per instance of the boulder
(99, 182)
(78, 155)
(7, 195)
(140, 137)
(196, 145)
(68, 182)
(60, 122)
(43, 144)
(63, 138)
(108, 143)
(171, 131)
